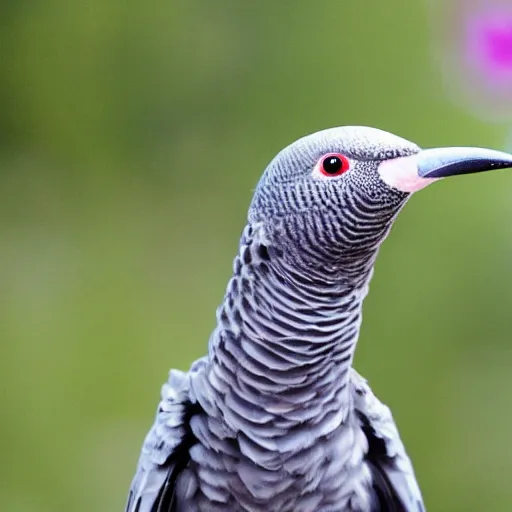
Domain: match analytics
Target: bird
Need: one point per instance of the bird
(275, 418)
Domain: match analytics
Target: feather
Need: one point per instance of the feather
(394, 483)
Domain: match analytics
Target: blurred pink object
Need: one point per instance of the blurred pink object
(489, 43)
(473, 43)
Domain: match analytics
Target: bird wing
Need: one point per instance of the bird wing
(394, 483)
(165, 452)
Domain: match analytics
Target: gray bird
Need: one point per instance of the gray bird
(274, 418)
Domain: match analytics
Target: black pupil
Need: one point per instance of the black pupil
(332, 164)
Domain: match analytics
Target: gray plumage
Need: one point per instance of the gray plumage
(274, 418)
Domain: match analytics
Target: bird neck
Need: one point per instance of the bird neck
(285, 339)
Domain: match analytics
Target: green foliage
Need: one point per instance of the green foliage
(131, 136)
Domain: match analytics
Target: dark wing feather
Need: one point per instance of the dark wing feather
(165, 452)
(394, 483)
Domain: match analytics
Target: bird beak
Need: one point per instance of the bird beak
(444, 162)
(415, 172)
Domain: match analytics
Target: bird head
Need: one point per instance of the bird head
(331, 197)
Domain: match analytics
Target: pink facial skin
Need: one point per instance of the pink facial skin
(402, 174)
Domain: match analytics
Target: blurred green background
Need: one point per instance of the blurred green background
(131, 136)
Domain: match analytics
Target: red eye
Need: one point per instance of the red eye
(334, 164)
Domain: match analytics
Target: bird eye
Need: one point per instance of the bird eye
(334, 164)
